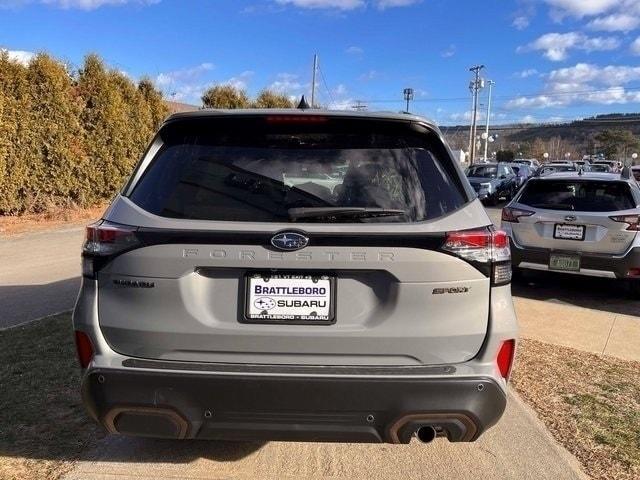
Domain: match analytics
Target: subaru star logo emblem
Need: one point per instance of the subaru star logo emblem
(289, 241)
(570, 218)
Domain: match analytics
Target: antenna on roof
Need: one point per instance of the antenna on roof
(303, 105)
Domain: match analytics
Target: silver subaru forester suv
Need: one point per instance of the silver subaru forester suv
(296, 275)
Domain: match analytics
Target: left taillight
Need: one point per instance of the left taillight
(103, 241)
(84, 348)
(505, 358)
(484, 248)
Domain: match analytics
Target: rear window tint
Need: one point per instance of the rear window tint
(580, 195)
(260, 178)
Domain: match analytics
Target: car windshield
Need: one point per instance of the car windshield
(557, 168)
(483, 171)
(578, 195)
(302, 177)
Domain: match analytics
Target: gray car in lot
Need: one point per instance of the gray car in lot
(221, 301)
(580, 223)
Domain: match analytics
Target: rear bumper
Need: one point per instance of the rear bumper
(598, 265)
(235, 406)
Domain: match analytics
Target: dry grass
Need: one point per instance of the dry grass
(589, 402)
(55, 217)
(43, 425)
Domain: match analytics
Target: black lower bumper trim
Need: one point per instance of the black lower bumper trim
(291, 408)
(618, 265)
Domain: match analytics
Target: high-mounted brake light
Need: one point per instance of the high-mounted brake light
(512, 215)
(483, 247)
(632, 220)
(304, 119)
(505, 358)
(104, 239)
(84, 348)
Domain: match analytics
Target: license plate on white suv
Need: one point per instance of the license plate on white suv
(289, 298)
(568, 232)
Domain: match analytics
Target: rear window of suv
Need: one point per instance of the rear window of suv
(274, 174)
(578, 195)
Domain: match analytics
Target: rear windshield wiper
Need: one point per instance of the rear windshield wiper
(355, 212)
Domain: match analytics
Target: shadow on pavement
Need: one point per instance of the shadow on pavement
(22, 303)
(603, 294)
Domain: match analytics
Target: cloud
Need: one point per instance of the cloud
(450, 51)
(21, 56)
(77, 4)
(555, 46)
(583, 83)
(324, 4)
(582, 8)
(354, 50)
(168, 79)
(346, 5)
(528, 119)
(529, 72)
(617, 22)
(368, 76)
(241, 81)
(520, 22)
(287, 83)
(635, 46)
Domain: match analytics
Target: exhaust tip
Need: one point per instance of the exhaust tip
(426, 434)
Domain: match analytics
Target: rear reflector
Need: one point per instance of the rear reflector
(84, 347)
(505, 358)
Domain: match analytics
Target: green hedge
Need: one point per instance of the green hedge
(70, 138)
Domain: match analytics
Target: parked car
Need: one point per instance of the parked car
(635, 170)
(585, 165)
(492, 181)
(601, 168)
(217, 309)
(523, 173)
(531, 162)
(548, 168)
(615, 166)
(585, 224)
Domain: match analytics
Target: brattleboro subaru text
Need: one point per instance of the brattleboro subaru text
(298, 275)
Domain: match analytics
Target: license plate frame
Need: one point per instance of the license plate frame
(327, 278)
(583, 231)
(573, 262)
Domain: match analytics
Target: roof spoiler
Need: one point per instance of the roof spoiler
(626, 173)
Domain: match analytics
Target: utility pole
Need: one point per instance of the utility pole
(408, 96)
(486, 132)
(475, 87)
(313, 81)
(359, 106)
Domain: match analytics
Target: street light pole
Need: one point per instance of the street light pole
(486, 139)
(475, 88)
(313, 81)
(408, 95)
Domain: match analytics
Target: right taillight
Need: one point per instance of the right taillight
(103, 240)
(512, 215)
(84, 348)
(485, 248)
(632, 220)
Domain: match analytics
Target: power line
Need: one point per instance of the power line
(324, 81)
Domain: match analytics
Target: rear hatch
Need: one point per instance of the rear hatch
(296, 240)
(578, 215)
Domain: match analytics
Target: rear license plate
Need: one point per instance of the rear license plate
(568, 232)
(290, 298)
(567, 263)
